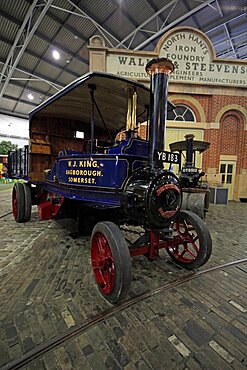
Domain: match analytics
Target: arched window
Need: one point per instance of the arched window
(181, 113)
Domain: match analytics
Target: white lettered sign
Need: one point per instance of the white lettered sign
(127, 65)
(194, 58)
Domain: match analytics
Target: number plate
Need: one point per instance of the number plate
(189, 170)
(167, 157)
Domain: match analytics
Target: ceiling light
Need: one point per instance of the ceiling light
(56, 54)
(30, 96)
(68, 59)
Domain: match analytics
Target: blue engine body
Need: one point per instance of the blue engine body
(97, 178)
(98, 170)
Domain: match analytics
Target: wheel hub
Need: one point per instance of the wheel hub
(186, 251)
(103, 263)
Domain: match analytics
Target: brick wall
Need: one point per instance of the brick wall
(220, 101)
(211, 156)
(230, 138)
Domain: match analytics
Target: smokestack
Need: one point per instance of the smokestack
(189, 149)
(158, 70)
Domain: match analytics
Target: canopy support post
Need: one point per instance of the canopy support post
(92, 88)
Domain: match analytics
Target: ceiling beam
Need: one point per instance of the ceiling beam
(40, 77)
(68, 27)
(42, 58)
(132, 20)
(229, 52)
(233, 36)
(230, 41)
(173, 24)
(193, 15)
(10, 63)
(46, 39)
(29, 89)
(96, 23)
(220, 22)
(17, 39)
(139, 28)
(10, 113)
(24, 101)
(39, 60)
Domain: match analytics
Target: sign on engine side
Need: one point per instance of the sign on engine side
(167, 157)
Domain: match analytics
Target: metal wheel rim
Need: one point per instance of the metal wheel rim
(187, 249)
(103, 263)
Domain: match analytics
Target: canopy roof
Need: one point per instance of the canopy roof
(199, 146)
(111, 92)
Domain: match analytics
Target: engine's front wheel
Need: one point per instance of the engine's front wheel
(194, 243)
(111, 261)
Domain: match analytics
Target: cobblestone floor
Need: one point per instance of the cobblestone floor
(47, 287)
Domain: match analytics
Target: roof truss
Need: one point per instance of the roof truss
(22, 39)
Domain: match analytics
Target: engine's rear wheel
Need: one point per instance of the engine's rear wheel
(18, 202)
(194, 245)
(111, 261)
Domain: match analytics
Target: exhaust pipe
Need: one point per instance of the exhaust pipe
(158, 70)
(189, 150)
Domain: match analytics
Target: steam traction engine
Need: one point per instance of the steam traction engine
(195, 192)
(116, 183)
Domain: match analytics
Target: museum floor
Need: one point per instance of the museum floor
(52, 315)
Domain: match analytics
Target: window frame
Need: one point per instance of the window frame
(187, 108)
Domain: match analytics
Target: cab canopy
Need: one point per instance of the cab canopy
(74, 103)
(92, 108)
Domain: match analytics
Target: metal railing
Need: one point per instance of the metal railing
(18, 163)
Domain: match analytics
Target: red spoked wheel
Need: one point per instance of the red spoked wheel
(103, 263)
(18, 202)
(111, 261)
(194, 243)
(21, 202)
